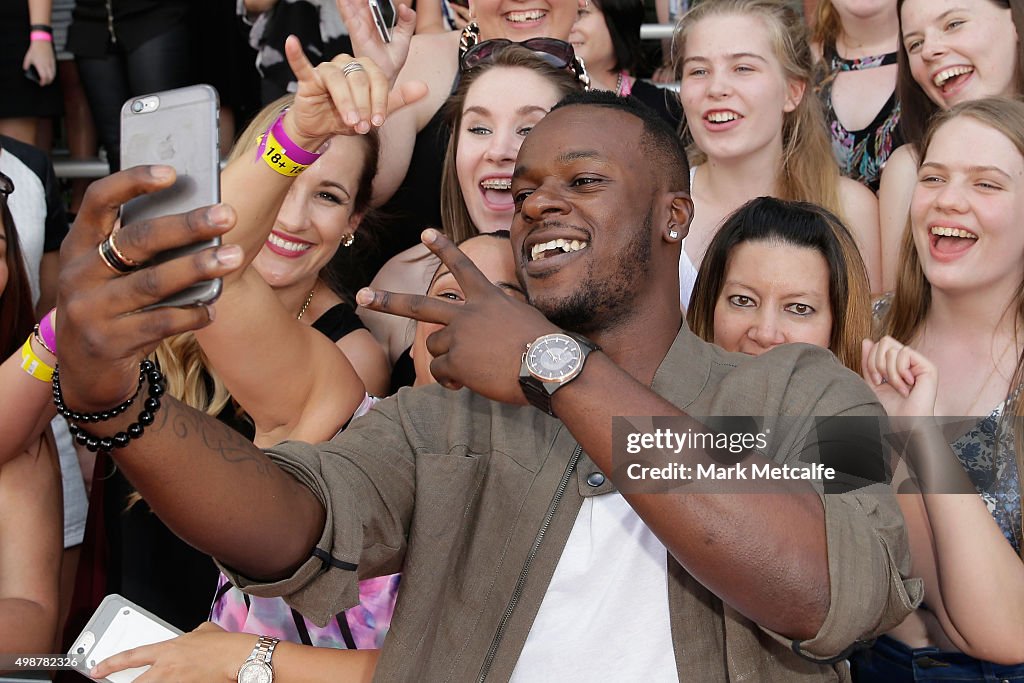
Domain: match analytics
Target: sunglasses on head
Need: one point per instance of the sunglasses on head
(557, 53)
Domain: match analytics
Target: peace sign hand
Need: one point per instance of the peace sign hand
(345, 96)
(482, 344)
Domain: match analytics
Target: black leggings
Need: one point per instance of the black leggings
(161, 63)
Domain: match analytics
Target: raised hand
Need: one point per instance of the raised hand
(904, 381)
(482, 343)
(103, 329)
(366, 42)
(344, 96)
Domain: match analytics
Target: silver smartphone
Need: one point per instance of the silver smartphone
(383, 12)
(118, 625)
(176, 128)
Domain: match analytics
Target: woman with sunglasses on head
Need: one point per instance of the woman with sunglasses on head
(31, 519)
(414, 140)
(856, 45)
(950, 52)
(779, 272)
(755, 129)
(606, 36)
(501, 96)
(953, 347)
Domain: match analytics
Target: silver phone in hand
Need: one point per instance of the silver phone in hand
(176, 128)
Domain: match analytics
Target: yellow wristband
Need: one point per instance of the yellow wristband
(33, 364)
(277, 159)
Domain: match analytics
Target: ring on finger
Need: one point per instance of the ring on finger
(352, 67)
(113, 259)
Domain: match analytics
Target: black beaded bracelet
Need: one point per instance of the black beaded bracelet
(145, 369)
(136, 429)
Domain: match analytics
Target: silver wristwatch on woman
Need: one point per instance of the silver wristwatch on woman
(257, 668)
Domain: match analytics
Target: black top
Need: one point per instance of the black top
(130, 23)
(662, 100)
(417, 202)
(403, 374)
(338, 321)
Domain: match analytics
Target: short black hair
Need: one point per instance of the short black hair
(623, 19)
(659, 142)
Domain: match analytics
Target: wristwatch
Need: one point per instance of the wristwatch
(257, 668)
(550, 362)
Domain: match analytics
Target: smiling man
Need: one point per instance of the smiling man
(520, 560)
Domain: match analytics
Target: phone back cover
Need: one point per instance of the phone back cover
(118, 625)
(182, 132)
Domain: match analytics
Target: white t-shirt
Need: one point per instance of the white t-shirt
(605, 616)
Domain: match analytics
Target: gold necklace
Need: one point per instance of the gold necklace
(308, 300)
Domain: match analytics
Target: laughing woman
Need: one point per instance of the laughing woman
(952, 52)
(954, 348)
(755, 128)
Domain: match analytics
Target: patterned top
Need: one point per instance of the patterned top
(993, 471)
(362, 627)
(861, 153)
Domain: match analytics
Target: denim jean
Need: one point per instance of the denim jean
(890, 661)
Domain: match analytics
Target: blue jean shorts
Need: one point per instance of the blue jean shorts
(890, 661)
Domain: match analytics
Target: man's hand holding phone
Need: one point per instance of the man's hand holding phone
(104, 318)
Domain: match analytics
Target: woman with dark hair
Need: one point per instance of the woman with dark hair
(31, 539)
(606, 36)
(952, 346)
(951, 52)
(779, 272)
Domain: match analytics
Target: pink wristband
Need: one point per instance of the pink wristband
(40, 35)
(291, 150)
(47, 333)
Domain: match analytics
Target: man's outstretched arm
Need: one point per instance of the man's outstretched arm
(208, 483)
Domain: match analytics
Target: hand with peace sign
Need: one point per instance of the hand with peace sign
(344, 96)
(482, 344)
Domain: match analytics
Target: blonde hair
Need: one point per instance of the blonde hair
(809, 172)
(913, 296)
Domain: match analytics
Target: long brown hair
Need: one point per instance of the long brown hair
(802, 225)
(16, 314)
(455, 217)
(913, 296)
(808, 171)
(916, 107)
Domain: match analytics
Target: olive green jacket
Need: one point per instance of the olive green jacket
(461, 495)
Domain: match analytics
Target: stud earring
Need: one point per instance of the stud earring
(673, 234)
(348, 240)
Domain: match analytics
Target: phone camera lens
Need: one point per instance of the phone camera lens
(137, 106)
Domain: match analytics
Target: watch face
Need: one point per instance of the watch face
(255, 672)
(554, 357)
